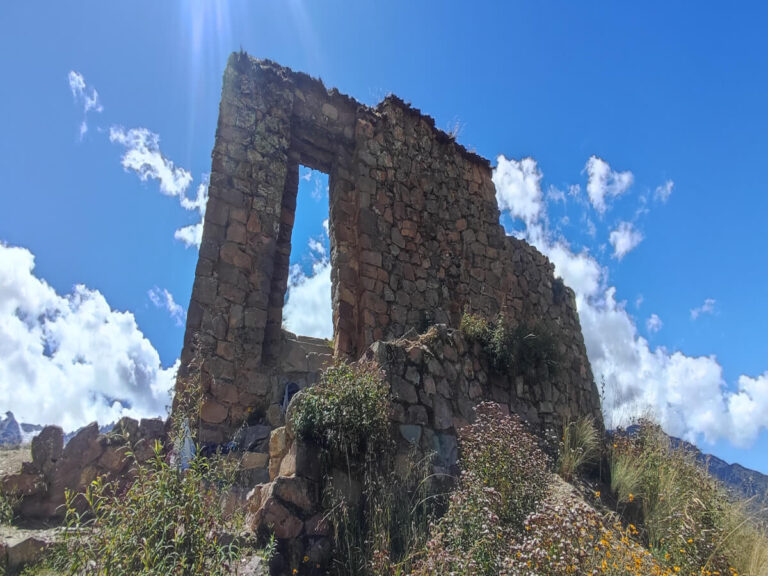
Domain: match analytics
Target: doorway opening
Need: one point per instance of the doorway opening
(307, 309)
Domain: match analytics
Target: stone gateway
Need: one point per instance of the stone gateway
(415, 242)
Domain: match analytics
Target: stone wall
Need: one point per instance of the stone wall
(56, 466)
(414, 232)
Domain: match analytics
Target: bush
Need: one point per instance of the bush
(512, 350)
(346, 413)
(504, 476)
(579, 445)
(165, 522)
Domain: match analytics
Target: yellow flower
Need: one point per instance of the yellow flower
(597, 494)
(306, 558)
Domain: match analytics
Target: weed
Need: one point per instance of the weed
(579, 445)
(7, 504)
(346, 413)
(166, 522)
(512, 350)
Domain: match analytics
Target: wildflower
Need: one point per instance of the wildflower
(306, 559)
(597, 493)
(631, 497)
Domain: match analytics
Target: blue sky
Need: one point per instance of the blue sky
(671, 94)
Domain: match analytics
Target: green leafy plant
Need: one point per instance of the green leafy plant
(7, 503)
(346, 413)
(167, 521)
(511, 349)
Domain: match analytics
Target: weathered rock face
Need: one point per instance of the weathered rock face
(55, 468)
(415, 241)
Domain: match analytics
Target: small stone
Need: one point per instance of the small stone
(442, 413)
(277, 517)
(213, 412)
(330, 111)
(251, 460)
(411, 433)
(297, 491)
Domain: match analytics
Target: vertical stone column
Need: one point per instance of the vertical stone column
(229, 309)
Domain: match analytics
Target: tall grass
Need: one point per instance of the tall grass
(579, 445)
(688, 519)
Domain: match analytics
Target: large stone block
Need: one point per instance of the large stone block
(47, 448)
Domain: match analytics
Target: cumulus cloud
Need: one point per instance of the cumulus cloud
(604, 183)
(162, 298)
(707, 308)
(664, 191)
(307, 310)
(143, 157)
(624, 239)
(653, 324)
(518, 188)
(687, 395)
(70, 360)
(81, 95)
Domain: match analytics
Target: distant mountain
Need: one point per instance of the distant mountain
(10, 431)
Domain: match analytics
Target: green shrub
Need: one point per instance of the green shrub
(165, 522)
(512, 350)
(346, 413)
(579, 445)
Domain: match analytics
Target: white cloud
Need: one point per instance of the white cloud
(518, 188)
(555, 195)
(308, 309)
(664, 191)
(143, 156)
(624, 239)
(687, 395)
(192, 235)
(70, 360)
(605, 183)
(653, 324)
(707, 308)
(162, 298)
(81, 94)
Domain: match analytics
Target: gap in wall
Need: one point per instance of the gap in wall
(308, 309)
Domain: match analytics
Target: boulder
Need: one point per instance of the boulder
(26, 549)
(24, 485)
(84, 447)
(47, 448)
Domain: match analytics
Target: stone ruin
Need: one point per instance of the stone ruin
(416, 243)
